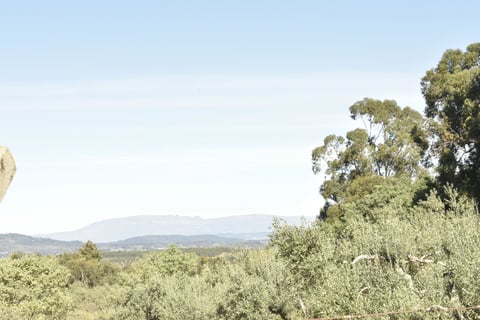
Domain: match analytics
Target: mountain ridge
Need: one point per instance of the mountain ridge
(117, 229)
(15, 242)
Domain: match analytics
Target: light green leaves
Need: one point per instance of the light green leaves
(409, 257)
(34, 287)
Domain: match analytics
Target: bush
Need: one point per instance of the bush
(407, 258)
(33, 287)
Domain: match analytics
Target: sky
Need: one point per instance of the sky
(203, 108)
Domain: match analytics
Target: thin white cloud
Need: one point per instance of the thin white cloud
(254, 156)
(177, 158)
(234, 90)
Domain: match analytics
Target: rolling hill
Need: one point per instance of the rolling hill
(152, 233)
(12, 242)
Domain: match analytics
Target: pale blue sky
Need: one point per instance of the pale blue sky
(209, 108)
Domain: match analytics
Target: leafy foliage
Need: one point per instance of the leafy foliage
(93, 303)
(410, 257)
(390, 254)
(247, 285)
(393, 143)
(169, 262)
(33, 287)
(258, 287)
(86, 266)
(452, 94)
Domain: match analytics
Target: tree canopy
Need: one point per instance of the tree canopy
(393, 142)
(33, 287)
(443, 145)
(452, 95)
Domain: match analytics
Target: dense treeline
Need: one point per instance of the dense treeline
(399, 231)
(440, 148)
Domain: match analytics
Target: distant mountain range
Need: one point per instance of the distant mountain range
(160, 242)
(112, 230)
(12, 242)
(152, 233)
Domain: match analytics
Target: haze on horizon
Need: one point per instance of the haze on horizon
(208, 109)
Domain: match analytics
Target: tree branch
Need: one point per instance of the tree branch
(364, 257)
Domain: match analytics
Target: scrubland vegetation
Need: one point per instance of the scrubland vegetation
(399, 232)
(394, 256)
